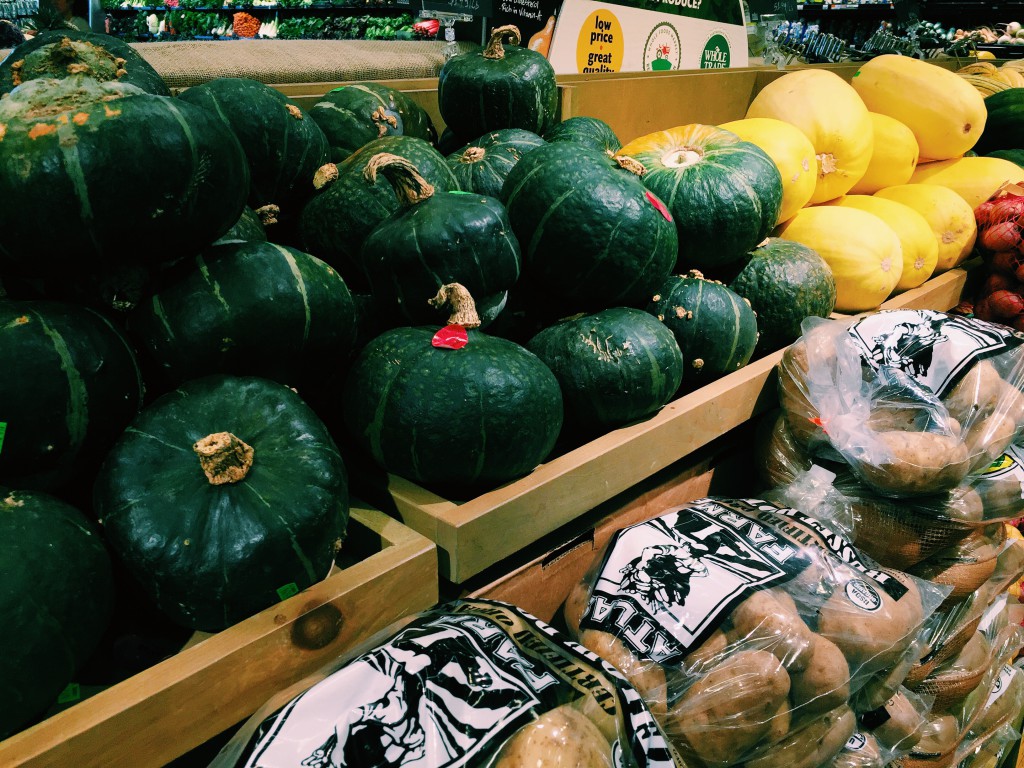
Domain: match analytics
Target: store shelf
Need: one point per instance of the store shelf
(219, 680)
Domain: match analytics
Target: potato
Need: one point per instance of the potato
(824, 683)
(1001, 496)
(575, 606)
(812, 745)
(814, 348)
(868, 625)
(561, 737)
(988, 438)
(1007, 704)
(974, 656)
(965, 504)
(938, 736)
(768, 620)
(730, 710)
(860, 751)
(778, 454)
(782, 720)
(709, 653)
(647, 676)
(977, 393)
(903, 727)
(883, 685)
(915, 463)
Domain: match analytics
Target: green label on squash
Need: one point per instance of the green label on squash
(73, 692)
(288, 590)
(3, 431)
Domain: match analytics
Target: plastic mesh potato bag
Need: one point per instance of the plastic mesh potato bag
(474, 683)
(747, 627)
(912, 400)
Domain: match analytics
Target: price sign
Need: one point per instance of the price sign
(463, 7)
(785, 8)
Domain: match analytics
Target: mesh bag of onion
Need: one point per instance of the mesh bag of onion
(1000, 297)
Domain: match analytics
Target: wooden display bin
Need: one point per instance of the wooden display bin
(219, 680)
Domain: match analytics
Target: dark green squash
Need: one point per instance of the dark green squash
(448, 142)
(71, 385)
(61, 53)
(784, 282)
(724, 193)
(457, 420)
(614, 366)
(437, 238)
(356, 114)
(483, 165)
(338, 219)
(591, 234)
(222, 498)
(57, 597)
(498, 87)
(1004, 122)
(97, 173)
(249, 309)
(283, 145)
(716, 329)
(248, 229)
(1013, 155)
(589, 131)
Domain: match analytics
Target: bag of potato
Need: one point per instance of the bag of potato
(470, 683)
(899, 724)
(967, 565)
(862, 750)
(778, 455)
(913, 400)
(989, 752)
(746, 626)
(1001, 485)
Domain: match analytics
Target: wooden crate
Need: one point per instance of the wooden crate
(221, 679)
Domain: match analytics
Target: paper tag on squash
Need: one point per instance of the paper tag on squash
(73, 692)
(3, 432)
(288, 590)
(659, 205)
(451, 337)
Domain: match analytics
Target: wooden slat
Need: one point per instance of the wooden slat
(161, 713)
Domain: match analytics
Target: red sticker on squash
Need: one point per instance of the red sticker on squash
(451, 337)
(659, 205)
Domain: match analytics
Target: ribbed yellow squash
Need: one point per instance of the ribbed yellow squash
(862, 250)
(790, 150)
(832, 116)
(920, 249)
(975, 179)
(893, 159)
(948, 214)
(946, 113)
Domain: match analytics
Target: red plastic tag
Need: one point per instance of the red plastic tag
(451, 337)
(817, 422)
(659, 205)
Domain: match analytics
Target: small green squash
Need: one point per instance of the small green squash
(785, 282)
(498, 87)
(724, 193)
(57, 599)
(716, 329)
(456, 419)
(589, 131)
(71, 386)
(248, 309)
(483, 165)
(437, 238)
(591, 234)
(1013, 155)
(95, 173)
(1004, 122)
(66, 52)
(350, 204)
(356, 114)
(283, 145)
(614, 366)
(222, 498)
(248, 229)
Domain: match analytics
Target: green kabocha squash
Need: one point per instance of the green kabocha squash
(724, 193)
(483, 165)
(1003, 123)
(283, 145)
(254, 309)
(223, 497)
(248, 229)
(589, 131)
(614, 366)
(456, 418)
(66, 52)
(716, 329)
(498, 87)
(448, 142)
(591, 234)
(71, 385)
(57, 597)
(356, 114)
(93, 173)
(785, 282)
(437, 238)
(351, 203)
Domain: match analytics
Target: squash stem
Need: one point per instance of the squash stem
(224, 458)
(463, 308)
(683, 157)
(410, 186)
(630, 164)
(494, 49)
(472, 155)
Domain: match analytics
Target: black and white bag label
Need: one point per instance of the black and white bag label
(1001, 684)
(447, 691)
(668, 583)
(856, 743)
(934, 348)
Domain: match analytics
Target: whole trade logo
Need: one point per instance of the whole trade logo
(716, 53)
(663, 50)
